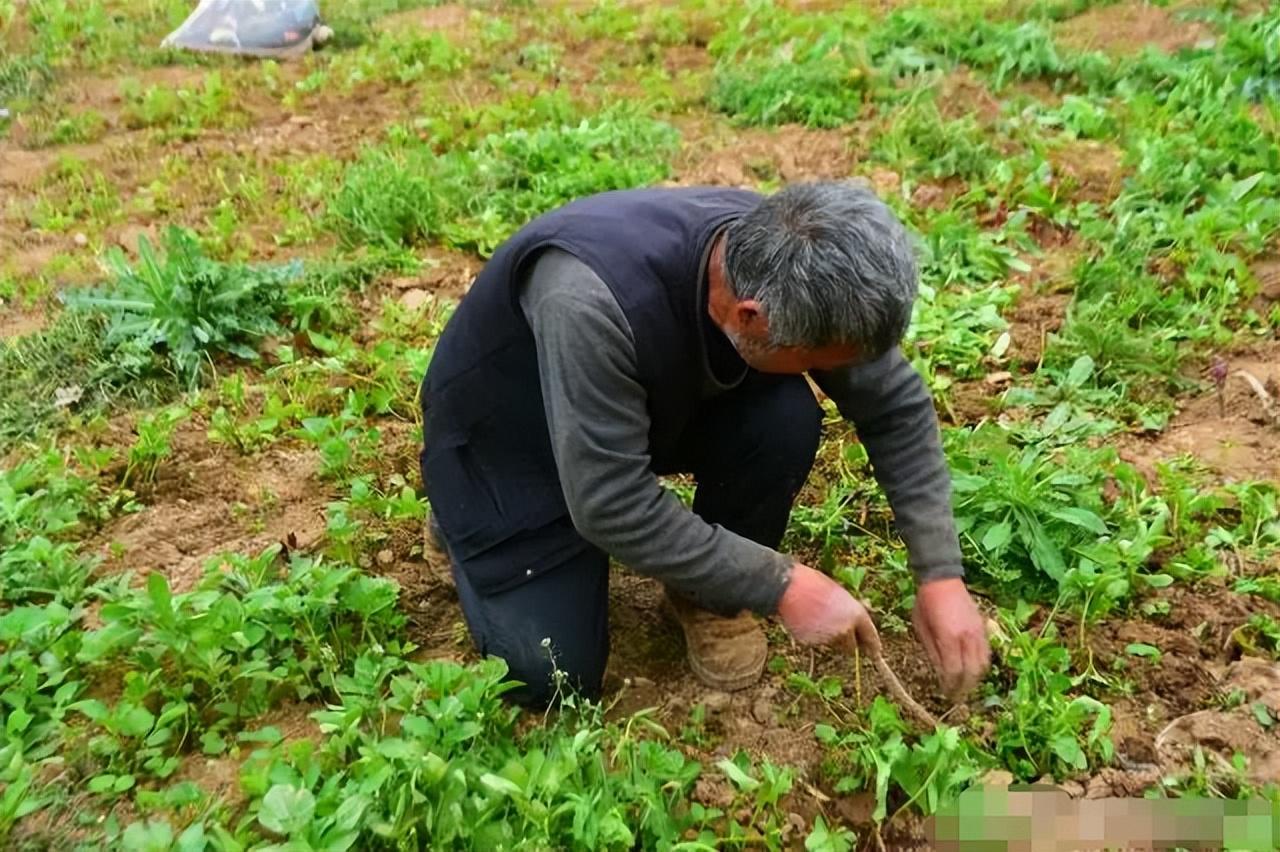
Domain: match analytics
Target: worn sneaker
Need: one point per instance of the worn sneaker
(725, 653)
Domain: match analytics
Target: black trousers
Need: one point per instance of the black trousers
(749, 450)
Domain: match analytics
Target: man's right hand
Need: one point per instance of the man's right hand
(816, 609)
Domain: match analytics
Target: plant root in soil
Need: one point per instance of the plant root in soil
(1269, 405)
(848, 643)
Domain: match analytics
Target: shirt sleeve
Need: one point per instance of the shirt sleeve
(893, 413)
(598, 419)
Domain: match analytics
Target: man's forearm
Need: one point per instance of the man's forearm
(599, 424)
(893, 413)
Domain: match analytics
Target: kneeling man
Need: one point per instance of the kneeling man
(646, 332)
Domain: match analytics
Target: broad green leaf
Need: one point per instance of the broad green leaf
(268, 734)
(1069, 751)
(734, 773)
(1001, 345)
(135, 721)
(822, 839)
(99, 644)
(1080, 372)
(212, 743)
(1081, 518)
(349, 813)
(501, 785)
(193, 839)
(286, 809)
(1142, 649)
(102, 783)
(997, 536)
(161, 597)
(154, 836)
(1244, 186)
(1044, 553)
(18, 721)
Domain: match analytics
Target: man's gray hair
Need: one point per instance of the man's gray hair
(830, 263)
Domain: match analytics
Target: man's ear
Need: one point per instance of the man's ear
(750, 316)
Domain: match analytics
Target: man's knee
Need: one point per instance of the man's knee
(552, 631)
(788, 427)
(548, 672)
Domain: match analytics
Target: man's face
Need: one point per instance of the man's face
(750, 336)
(745, 324)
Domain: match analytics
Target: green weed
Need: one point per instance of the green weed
(402, 58)
(77, 128)
(904, 771)
(98, 33)
(69, 368)
(1260, 636)
(186, 304)
(155, 432)
(920, 142)
(233, 422)
(258, 630)
(1041, 728)
(23, 79)
(817, 90)
(475, 198)
(1033, 519)
(75, 194)
(181, 113)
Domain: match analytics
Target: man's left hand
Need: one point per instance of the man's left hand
(953, 633)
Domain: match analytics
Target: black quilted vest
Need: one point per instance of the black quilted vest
(487, 462)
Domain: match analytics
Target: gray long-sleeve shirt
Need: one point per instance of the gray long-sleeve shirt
(599, 425)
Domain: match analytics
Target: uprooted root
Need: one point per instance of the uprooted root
(1270, 407)
(848, 643)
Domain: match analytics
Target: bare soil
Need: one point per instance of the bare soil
(961, 94)
(15, 322)
(450, 19)
(1092, 170)
(721, 155)
(1236, 440)
(1130, 26)
(208, 501)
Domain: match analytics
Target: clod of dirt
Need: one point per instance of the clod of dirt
(717, 702)
(1225, 733)
(928, 196)
(1094, 169)
(713, 791)
(1121, 783)
(744, 157)
(885, 182)
(415, 299)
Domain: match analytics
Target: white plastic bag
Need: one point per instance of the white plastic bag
(275, 28)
